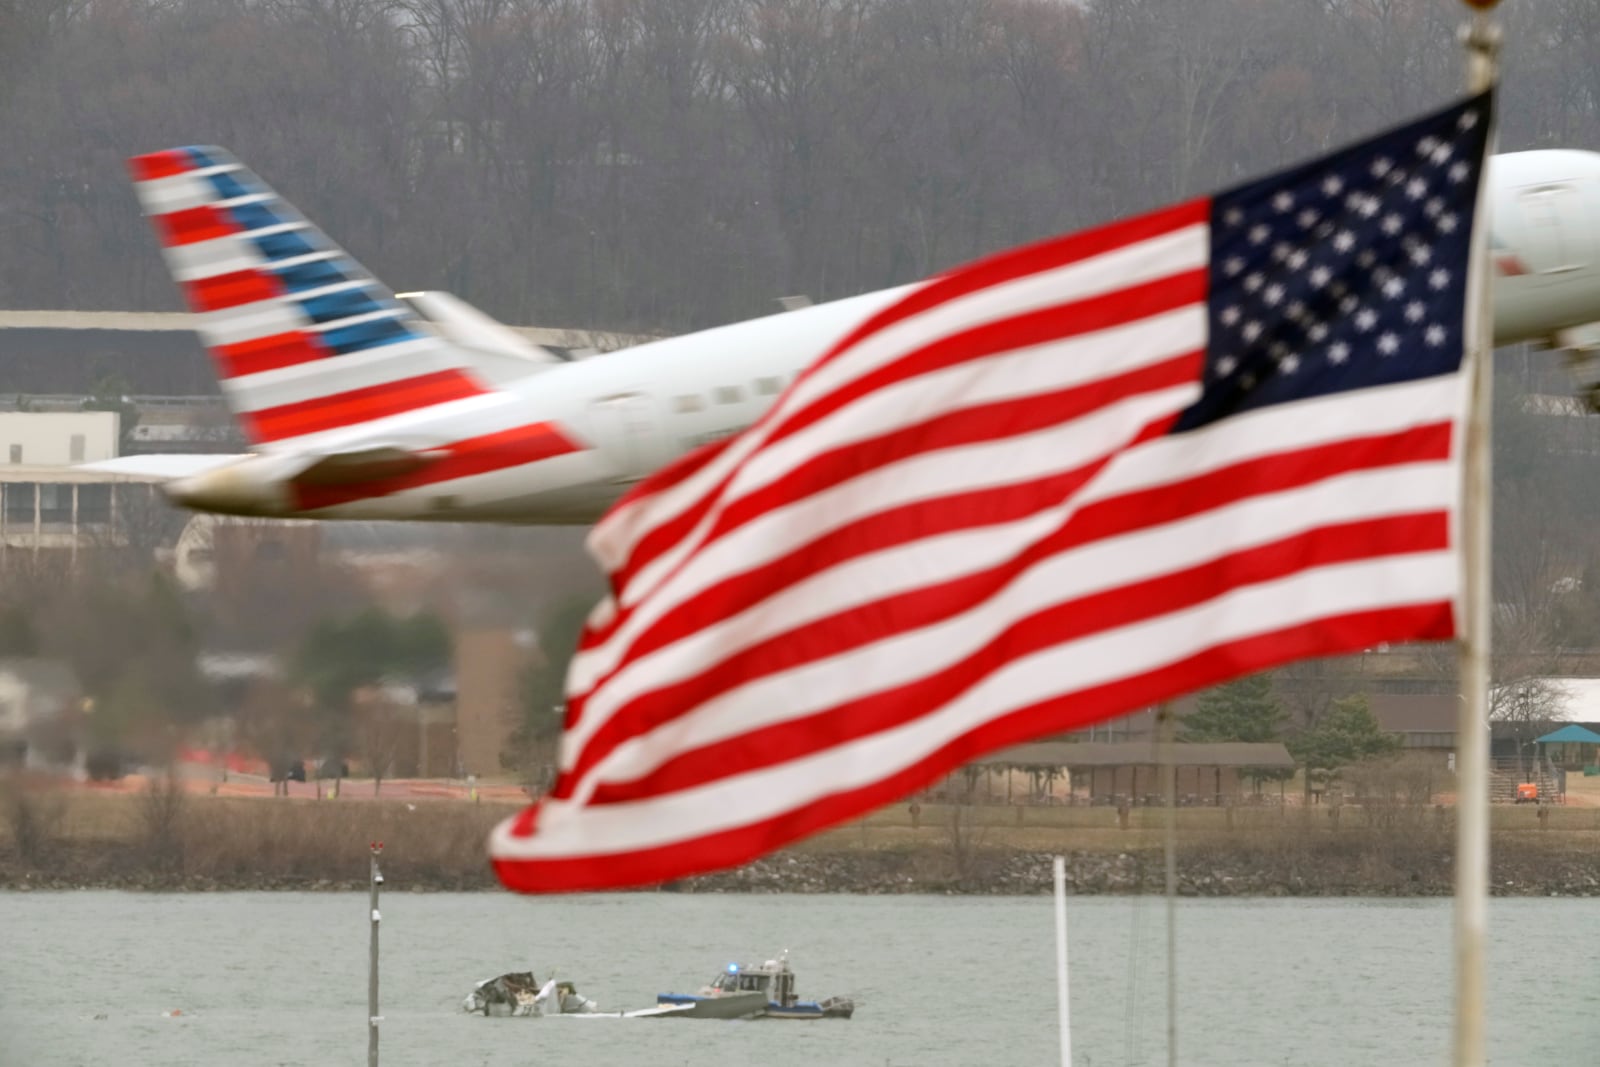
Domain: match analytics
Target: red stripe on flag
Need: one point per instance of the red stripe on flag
(359, 405)
(1061, 623)
(193, 225)
(165, 164)
(1328, 636)
(516, 447)
(884, 617)
(268, 353)
(231, 290)
(995, 421)
(1032, 328)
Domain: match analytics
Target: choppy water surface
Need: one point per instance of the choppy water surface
(280, 979)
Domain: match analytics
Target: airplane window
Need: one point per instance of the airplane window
(768, 385)
(687, 403)
(729, 394)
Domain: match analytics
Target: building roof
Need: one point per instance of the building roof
(182, 322)
(25, 473)
(1572, 732)
(1141, 754)
(95, 320)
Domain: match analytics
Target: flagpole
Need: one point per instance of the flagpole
(1169, 774)
(1481, 37)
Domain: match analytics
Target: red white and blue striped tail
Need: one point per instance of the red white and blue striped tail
(307, 343)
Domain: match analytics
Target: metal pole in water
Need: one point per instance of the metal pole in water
(1169, 773)
(1063, 1008)
(373, 1018)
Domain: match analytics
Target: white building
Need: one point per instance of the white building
(62, 508)
(58, 438)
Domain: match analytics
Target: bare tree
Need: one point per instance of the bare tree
(1528, 708)
(1310, 687)
(382, 724)
(656, 164)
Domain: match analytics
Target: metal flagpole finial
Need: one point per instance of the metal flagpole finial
(1481, 38)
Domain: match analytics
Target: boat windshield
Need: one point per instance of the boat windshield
(741, 983)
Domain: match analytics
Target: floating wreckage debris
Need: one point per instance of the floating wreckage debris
(720, 1006)
(518, 993)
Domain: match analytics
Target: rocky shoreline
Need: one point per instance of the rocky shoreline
(1018, 873)
(1309, 872)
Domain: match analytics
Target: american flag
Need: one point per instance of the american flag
(1041, 491)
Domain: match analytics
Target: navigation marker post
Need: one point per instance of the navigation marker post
(1063, 1008)
(1169, 849)
(373, 1018)
(1481, 38)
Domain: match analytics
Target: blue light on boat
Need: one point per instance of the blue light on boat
(733, 968)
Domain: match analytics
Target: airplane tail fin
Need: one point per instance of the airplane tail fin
(306, 342)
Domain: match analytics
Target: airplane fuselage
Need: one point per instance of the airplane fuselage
(614, 419)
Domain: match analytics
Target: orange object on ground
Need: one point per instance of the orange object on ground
(1528, 791)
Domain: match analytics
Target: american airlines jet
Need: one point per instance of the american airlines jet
(362, 405)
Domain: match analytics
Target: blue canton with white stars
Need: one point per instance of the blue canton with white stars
(1344, 273)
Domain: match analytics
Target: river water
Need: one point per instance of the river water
(281, 979)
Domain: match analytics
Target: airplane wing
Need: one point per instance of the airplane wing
(309, 468)
(162, 467)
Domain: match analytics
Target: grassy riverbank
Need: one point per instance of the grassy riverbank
(163, 839)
